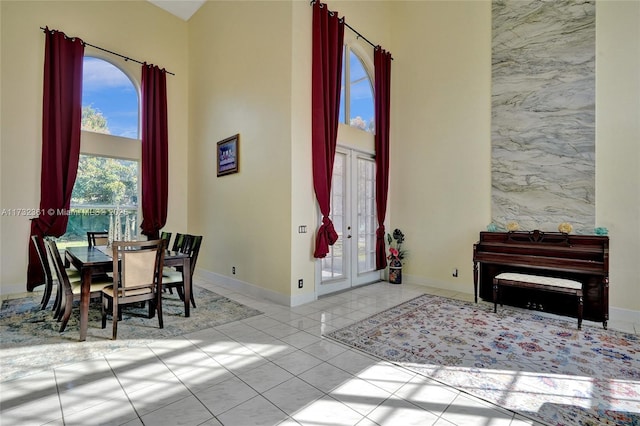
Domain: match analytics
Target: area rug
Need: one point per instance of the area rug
(541, 367)
(31, 341)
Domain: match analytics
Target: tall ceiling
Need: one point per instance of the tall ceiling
(183, 9)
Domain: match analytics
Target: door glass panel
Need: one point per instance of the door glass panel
(333, 263)
(343, 91)
(367, 217)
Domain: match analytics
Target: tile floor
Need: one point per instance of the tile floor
(272, 369)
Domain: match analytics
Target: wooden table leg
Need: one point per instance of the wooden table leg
(186, 274)
(85, 295)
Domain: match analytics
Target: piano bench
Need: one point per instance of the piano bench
(537, 282)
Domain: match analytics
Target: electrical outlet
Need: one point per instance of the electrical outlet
(233, 270)
(454, 272)
(300, 283)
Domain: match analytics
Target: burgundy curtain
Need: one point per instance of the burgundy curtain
(382, 64)
(328, 36)
(155, 151)
(61, 121)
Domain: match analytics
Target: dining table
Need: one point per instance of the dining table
(97, 259)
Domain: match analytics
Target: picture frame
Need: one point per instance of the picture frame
(228, 155)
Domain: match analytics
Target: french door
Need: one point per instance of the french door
(351, 260)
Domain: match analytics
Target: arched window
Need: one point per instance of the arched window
(109, 100)
(356, 100)
(108, 170)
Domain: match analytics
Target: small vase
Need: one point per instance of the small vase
(395, 271)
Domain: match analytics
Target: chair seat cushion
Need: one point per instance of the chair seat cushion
(537, 279)
(72, 272)
(76, 279)
(171, 277)
(96, 286)
(133, 292)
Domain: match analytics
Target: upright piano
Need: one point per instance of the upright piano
(583, 258)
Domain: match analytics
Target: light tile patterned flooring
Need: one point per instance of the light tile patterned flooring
(272, 369)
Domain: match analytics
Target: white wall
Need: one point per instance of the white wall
(240, 73)
(618, 144)
(136, 29)
(440, 191)
(303, 202)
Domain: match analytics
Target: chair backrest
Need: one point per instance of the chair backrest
(57, 264)
(97, 238)
(178, 242)
(138, 264)
(192, 248)
(44, 259)
(166, 236)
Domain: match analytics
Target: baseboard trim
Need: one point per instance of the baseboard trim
(253, 290)
(7, 289)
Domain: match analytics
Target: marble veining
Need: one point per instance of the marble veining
(543, 114)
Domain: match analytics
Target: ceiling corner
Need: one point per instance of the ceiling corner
(183, 9)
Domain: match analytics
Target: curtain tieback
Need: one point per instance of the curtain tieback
(329, 230)
(327, 236)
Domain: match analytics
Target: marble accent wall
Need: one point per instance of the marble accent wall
(543, 114)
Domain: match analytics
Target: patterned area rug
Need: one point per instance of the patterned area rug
(31, 341)
(541, 367)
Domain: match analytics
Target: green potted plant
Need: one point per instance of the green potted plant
(396, 256)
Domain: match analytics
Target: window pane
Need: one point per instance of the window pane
(109, 100)
(342, 117)
(333, 263)
(367, 216)
(102, 186)
(361, 107)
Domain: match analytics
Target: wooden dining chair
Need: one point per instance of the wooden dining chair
(70, 288)
(137, 277)
(178, 242)
(48, 277)
(97, 238)
(47, 267)
(175, 278)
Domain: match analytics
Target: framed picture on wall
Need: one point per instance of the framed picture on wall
(228, 155)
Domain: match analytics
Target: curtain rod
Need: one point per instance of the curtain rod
(126, 58)
(351, 28)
